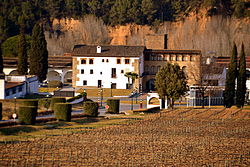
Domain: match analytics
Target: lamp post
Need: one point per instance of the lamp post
(101, 94)
(136, 93)
(111, 89)
(15, 105)
(132, 100)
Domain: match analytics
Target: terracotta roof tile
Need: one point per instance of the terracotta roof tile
(108, 51)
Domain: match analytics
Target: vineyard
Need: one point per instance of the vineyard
(183, 137)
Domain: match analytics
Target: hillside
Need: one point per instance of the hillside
(213, 35)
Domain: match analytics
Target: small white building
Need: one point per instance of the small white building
(17, 86)
(105, 66)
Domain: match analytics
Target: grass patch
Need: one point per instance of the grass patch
(106, 92)
(17, 130)
(42, 90)
(78, 125)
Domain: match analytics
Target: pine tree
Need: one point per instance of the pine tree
(22, 66)
(229, 93)
(1, 60)
(241, 80)
(38, 53)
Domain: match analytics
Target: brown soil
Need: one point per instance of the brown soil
(187, 137)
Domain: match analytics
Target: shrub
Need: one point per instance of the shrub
(56, 100)
(29, 102)
(90, 108)
(62, 111)
(27, 115)
(1, 111)
(84, 95)
(55, 84)
(44, 103)
(74, 98)
(114, 106)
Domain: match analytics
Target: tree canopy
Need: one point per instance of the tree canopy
(171, 83)
(1, 60)
(112, 12)
(22, 66)
(229, 93)
(241, 79)
(39, 53)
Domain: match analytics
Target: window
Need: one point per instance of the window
(127, 61)
(101, 73)
(82, 71)
(91, 71)
(113, 73)
(183, 58)
(103, 60)
(177, 58)
(191, 58)
(122, 71)
(84, 82)
(107, 60)
(184, 69)
(118, 61)
(14, 91)
(91, 61)
(83, 61)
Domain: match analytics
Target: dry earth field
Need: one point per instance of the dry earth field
(183, 137)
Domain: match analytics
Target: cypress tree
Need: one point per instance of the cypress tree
(241, 80)
(22, 66)
(38, 53)
(229, 93)
(1, 59)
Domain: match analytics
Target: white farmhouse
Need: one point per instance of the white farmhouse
(17, 86)
(105, 66)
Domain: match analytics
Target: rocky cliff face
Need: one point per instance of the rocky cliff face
(213, 35)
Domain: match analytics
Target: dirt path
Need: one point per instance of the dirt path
(174, 138)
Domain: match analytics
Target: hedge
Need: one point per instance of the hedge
(114, 106)
(63, 111)
(90, 108)
(44, 103)
(29, 102)
(1, 108)
(55, 84)
(27, 115)
(56, 100)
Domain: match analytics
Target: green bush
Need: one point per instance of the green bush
(56, 100)
(114, 106)
(90, 108)
(27, 115)
(84, 95)
(55, 84)
(63, 111)
(29, 102)
(44, 103)
(74, 98)
(1, 108)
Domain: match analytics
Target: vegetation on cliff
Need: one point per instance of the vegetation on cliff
(112, 12)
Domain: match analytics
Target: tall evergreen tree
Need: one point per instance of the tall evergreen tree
(241, 79)
(22, 66)
(1, 60)
(229, 93)
(38, 53)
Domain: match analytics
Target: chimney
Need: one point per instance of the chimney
(98, 49)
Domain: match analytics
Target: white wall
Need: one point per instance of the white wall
(2, 89)
(105, 68)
